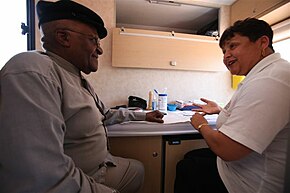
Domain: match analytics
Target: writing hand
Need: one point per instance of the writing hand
(197, 119)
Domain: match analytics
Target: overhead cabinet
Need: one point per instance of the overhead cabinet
(135, 48)
(242, 9)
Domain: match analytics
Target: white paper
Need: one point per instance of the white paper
(173, 117)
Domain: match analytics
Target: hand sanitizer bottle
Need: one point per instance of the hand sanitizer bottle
(162, 101)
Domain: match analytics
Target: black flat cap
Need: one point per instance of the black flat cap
(66, 9)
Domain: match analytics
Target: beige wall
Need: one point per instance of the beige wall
(114, 85)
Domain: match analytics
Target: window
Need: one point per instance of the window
(11, 38)
(282, 47)
(281, 38)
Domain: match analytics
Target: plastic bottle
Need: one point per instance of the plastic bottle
(154, 102)
(162, 101)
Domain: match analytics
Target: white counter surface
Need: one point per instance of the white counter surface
(173, 124)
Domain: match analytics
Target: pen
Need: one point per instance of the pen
(155, 91)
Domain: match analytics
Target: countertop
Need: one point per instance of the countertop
(172, 126)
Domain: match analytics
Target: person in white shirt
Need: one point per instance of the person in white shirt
(250, 142)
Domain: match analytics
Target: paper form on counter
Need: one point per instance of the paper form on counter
(185, 116)
(173, 117)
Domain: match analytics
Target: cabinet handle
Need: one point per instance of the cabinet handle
(154, 154)
(173, 63)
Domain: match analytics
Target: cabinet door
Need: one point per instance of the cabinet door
(161, 50)
(145, 149)
(175, 152)
(242, 9)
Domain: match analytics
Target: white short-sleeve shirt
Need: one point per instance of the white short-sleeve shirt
(258, 117)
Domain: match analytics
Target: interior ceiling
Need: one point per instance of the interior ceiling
(189, 17)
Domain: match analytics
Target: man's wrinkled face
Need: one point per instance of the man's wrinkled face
(87, 48)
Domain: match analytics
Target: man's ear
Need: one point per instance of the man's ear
(63, 37)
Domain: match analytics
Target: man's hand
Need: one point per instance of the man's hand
(154, 116)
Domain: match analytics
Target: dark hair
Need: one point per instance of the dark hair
(251, 27)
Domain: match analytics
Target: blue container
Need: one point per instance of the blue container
(171, 107)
